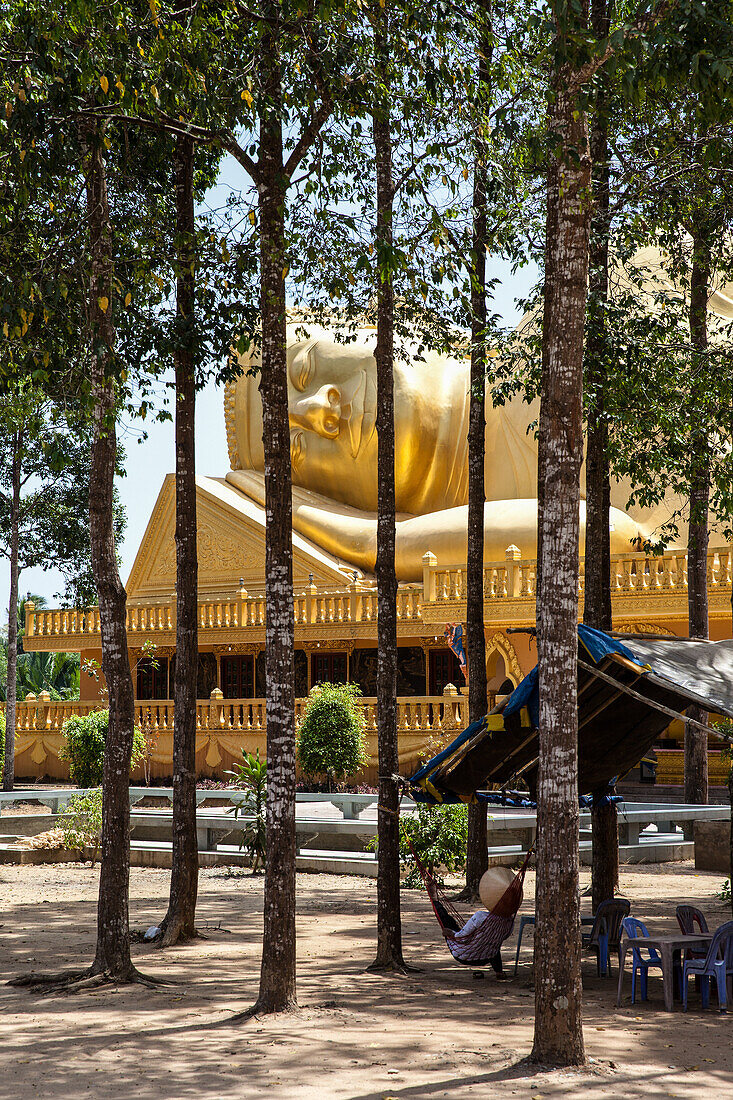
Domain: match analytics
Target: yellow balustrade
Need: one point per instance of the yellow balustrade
(224, 727)
(641, 585)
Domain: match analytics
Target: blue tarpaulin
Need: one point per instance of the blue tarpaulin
(622, 709)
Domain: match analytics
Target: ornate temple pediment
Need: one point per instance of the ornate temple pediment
(231, 545)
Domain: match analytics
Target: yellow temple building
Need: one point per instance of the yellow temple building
(333, 451)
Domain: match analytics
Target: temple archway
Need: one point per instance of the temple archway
(503, 671)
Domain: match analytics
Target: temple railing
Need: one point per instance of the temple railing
(654, 584)
(515, 577)
(425, 713)
(225, 727)
(352, 605)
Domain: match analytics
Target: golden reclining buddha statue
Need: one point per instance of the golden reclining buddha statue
(332, 403)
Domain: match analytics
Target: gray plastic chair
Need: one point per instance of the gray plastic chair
(605, 933)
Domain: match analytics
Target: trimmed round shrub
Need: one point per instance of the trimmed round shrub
(332, 740)
(83, 747)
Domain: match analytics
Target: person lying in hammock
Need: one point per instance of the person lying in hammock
(479, 940)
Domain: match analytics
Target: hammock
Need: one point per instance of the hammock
(477, 941)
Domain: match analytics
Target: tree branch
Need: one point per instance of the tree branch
(308, 136)
(641, 23)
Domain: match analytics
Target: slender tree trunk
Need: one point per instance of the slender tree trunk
(113, 935)
(604, 822)
(477, 859)
(558, 1037)
(389, 927)
(12, 670)
(730, 862)
(179, 922)
(597, 593)
(277, 977)
(696, 740)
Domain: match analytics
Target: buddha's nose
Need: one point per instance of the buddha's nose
(319, 412)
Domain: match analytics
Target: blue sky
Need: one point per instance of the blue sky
(150, 460)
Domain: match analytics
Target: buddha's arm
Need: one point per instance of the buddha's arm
(350, 534)
(343, 531)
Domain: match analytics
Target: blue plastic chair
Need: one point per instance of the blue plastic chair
(718, 964)
(633, 927)
(605, 933)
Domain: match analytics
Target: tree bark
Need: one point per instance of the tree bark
(604, 821)
(179, 922)
(477, 859)
(11, 694)
(696, 740)
(389, 927)
(558, 1037)
(277, 991)
(113, 935)
(730, 862)
(597, 593)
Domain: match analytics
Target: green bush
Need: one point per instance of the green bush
(439, 835)
(2, 737)
(251, 776)
(83, 747)
(81, 823)
(332, 740)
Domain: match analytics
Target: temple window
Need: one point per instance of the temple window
(152, 678)
(328, 668)
(444, 669)
(238, 677)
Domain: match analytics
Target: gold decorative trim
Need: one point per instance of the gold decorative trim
(337, 645)
(645, 628)
(230, 390)
(250, 649)
(500, 643)
(154, 651)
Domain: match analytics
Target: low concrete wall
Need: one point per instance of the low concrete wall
(712, 846)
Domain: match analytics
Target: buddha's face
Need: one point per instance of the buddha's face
(332, 397)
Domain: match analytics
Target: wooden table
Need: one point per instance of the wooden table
(667, 946)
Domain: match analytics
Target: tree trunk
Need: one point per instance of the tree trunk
(389, 927)
(179, 922)
(477, 859)
(277, 977)
(604, 820)
(597, 592)
(696, 740)
(558, 1037)
(113, 934)
(12, 669)
(730, 862)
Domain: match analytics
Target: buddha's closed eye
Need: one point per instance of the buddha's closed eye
(303, 367)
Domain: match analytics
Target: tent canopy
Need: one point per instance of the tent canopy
(615, 728)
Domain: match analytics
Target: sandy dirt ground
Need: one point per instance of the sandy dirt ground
(438, 1033)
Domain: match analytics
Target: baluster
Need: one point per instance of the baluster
(681, 560)
(626, 583)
